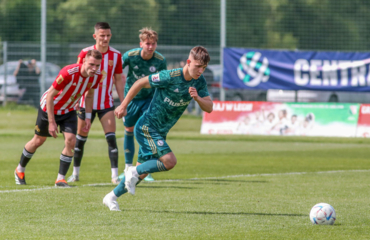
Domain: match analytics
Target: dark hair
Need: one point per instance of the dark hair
(94, 53)
(102, 25)
(201, 54)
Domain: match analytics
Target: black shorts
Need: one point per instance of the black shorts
(101, 113)
(66, 122)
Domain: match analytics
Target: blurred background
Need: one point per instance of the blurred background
(330, 25)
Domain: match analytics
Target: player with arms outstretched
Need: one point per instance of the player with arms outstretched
(57, 107)
(174, 90)
(141, 62)
(103, 106)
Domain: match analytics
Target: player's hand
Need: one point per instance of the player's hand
(87, 126)
(120, 112)
(53, 129)
(193, 93)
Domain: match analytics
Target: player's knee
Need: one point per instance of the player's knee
(169, 161)
(70, 142)
(129, 129)
(37, 141)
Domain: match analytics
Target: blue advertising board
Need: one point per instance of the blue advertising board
(296, 70)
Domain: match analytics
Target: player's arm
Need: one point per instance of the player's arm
(119, 85)
(134, 90)
(89, 100)
(205, 103)
(53, 128)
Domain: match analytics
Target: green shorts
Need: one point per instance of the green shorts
(135, 110)
(152, 144)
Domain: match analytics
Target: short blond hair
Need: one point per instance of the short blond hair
(148, 33)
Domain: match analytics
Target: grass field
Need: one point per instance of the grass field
(223, 187)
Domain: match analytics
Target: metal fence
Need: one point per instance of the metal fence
(274, 24)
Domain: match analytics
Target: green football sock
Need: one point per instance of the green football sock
(151, 166)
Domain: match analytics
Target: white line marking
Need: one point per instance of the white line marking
(195, 179)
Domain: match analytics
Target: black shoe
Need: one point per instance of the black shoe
(20, 178)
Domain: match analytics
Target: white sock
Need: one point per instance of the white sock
(127, 165)
(20, 168)
(112, 196)
(114, 172)
(76, 171)
(60, 177)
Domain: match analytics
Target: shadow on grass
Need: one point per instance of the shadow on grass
(222, 213)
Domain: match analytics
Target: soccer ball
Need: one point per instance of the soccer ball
(322, 214)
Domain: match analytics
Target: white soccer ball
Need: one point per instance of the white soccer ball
(322, 214)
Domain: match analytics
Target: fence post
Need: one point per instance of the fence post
(5, 60)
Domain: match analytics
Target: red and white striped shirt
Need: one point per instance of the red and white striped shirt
(110, 65)
(72, 86)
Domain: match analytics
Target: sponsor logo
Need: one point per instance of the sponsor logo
(77, 150)
(176, 90)
(152, 69)
(136, 67)
(110, 63)
(37, 128)
(253, 69)
(74, 84)
(104, 73)
(174, 104)
(160, 143)
(155, 78)
(60, 79)
(114, 150)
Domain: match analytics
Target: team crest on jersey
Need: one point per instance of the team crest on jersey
(74, 98)
(152, 69)
(110, 63)
(160, 142)
(60, 79)
(37, 128)
(155, 78)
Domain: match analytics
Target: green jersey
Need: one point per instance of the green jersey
(139, 68)
(171, 98)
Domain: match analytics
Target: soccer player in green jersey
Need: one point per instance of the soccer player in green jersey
(141, 62)
(174, 90)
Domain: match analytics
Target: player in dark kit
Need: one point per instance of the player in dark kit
(174, 90)
(141, 62)
(58, 107)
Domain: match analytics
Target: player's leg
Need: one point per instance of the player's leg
(108, 122)
(153, 150)
(41, 133)
(81, 139)
(68, 126)
(110, 200)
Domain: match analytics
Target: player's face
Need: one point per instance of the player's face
(91, 65)
(148, 46)
(102, 37)
(196, 68)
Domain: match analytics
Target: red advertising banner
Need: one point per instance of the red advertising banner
(294, 119)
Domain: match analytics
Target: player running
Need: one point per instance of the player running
(103, 106)
(141, 62)
(57, 107)
(174, 90)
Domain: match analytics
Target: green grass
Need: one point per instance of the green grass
(223, 187)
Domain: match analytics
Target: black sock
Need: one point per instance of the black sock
(79, 150)
(112, 149)
(65, 162)
(25, 157)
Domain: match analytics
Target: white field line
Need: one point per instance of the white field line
(197, 179)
